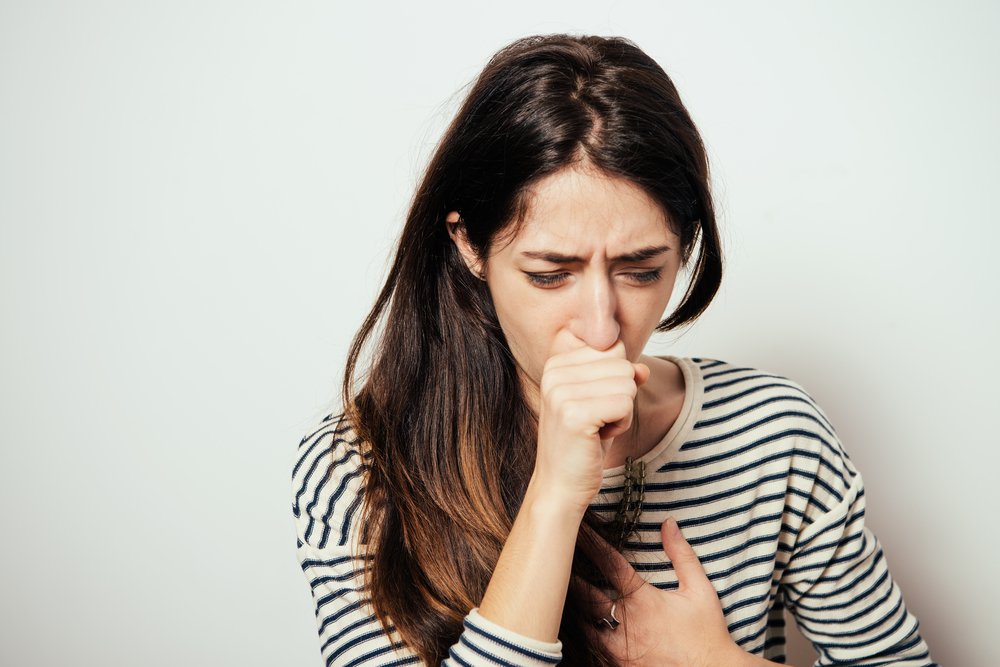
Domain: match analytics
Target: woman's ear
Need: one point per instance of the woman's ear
(456, 230)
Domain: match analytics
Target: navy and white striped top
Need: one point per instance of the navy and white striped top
(760, 485)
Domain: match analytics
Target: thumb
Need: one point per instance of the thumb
(642, 373)
(690, 573)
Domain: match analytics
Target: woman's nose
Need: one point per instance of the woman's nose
(596, 318)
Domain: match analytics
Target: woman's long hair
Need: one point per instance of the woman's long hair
(440, 407)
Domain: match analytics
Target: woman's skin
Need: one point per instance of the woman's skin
(578, 292)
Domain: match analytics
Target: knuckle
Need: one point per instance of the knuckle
(557, 394)
(623, 401)
(622, 367)
(571, 413)
(627, 386)
(548, 383)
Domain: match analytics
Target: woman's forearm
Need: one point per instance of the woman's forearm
(527, 591)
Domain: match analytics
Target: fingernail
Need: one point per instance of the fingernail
(672, 528)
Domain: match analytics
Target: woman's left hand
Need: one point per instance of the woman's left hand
(685, 627)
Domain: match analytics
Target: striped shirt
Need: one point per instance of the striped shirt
(760, 485)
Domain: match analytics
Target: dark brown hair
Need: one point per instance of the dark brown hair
(441, 408)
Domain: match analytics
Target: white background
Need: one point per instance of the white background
(197, 201)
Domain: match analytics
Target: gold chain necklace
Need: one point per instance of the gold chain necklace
(630, 505)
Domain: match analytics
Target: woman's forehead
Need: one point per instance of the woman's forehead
(573, 228)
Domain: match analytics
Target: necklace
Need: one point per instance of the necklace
(630, 505)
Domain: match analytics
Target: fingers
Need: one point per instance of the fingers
(613, 638)
(690, 573)
(606, 413)
(558, 372)
(603, 389)
(590, 391)
(584, 382)
(572, 360)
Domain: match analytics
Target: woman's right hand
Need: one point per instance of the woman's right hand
(587, 397)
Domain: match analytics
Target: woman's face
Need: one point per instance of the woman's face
(594, 256)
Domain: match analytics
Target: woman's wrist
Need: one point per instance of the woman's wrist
(527, 591)
(548, 503)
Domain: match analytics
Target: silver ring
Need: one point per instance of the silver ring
(612, 622)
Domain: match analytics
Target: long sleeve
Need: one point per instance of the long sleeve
(837, 584)
(327, 488)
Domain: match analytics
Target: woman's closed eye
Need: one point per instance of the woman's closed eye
(546, 279)
(554, 279)
(645, 277)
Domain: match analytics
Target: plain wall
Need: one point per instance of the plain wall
(197, 201)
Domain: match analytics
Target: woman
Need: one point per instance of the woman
(512, 481)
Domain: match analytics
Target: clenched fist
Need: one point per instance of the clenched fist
(587, 398)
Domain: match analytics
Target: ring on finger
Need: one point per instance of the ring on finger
(613, 621)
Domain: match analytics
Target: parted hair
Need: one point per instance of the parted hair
(437, 400)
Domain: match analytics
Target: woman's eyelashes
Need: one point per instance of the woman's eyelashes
(644, 277)
(544, 279)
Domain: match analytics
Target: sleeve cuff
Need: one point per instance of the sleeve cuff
(498, 640)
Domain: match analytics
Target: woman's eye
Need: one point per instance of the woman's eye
(645, 277)
(546, 279)
(556, 279)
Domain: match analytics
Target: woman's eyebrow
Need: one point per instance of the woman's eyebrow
(639, 255)
(649, 252)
